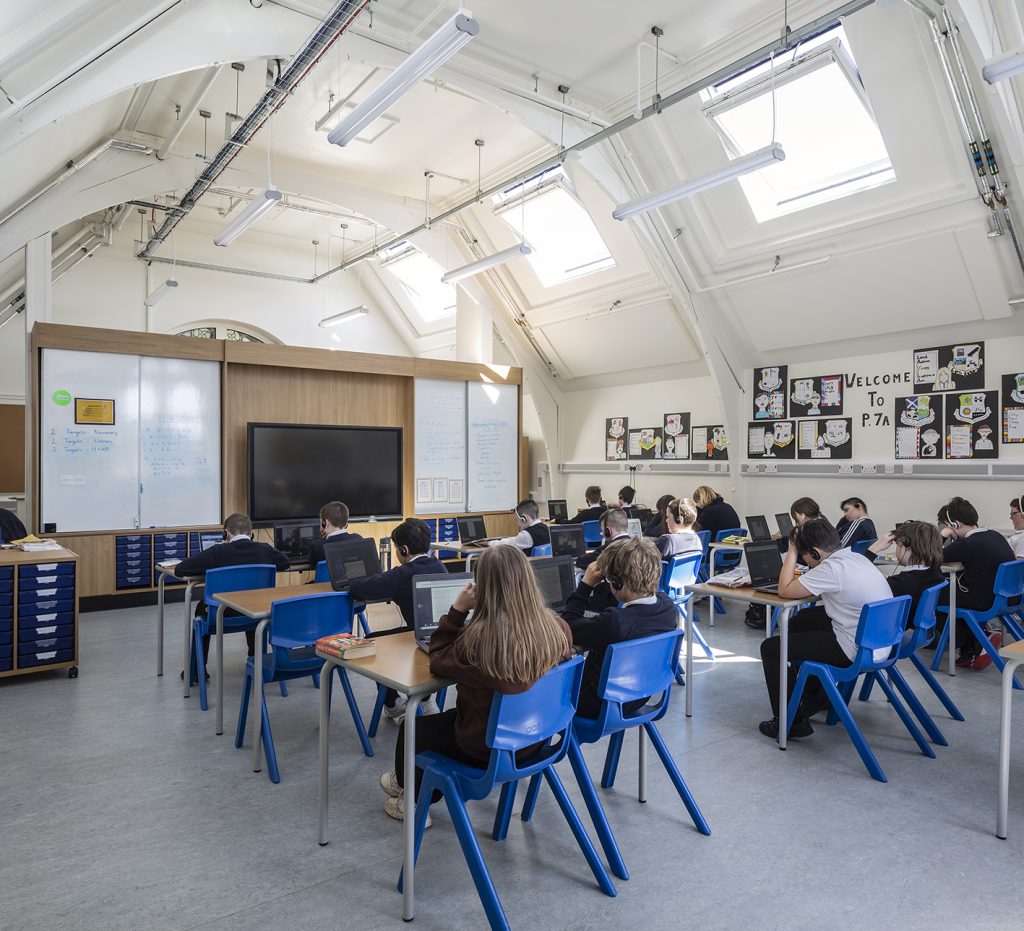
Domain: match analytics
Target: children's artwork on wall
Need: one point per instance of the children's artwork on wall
(826, 438)
(615, 429)
(972, 425)
(770, 392)
(1013, 408)
(816, 396)
(772, 440)
(676, 436)
(707, 443)
(919, 426)
(645, 443)
(958, 367)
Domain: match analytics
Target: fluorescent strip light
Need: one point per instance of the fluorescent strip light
(361, 311)
(160, 293)
(499, 258)
(433, 53)
(762, 158)
(259, 206)
(1006, 66)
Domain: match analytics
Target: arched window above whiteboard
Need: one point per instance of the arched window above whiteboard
(231, 331)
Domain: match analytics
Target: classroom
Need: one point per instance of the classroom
(605, 424)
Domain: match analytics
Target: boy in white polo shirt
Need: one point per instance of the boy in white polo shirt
(845, 581)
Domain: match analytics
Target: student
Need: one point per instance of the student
(1016, 539)
(614, 526)
(333, 529)
(855, 525)
(982, 551)
(594, 509)
(626, 495)
(846, 582)
(411, 540)
(238, 550)
(11, 527)
(514, 639)
(680, 540)
(532, 530)
(713, 513)
(656, 527)
(632, 569)
(919, 556)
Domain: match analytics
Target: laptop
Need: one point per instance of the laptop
(471, 529)
(764, 563)
(295, 540)
(350, 560)
(432, 597)
(785, 523)
(208, 538)
(635, 528)
(567, 540)
(558, 509)
(556, 579)
(757, 529)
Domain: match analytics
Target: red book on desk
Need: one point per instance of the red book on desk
(347, 647)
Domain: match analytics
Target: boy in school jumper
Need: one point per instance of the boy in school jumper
(919, 556)
(1016, 539)
(333, 529)
(633, 571)
(614, 526)
(855, 525)
(626, 495)
(532, 530)
(238, 550)
(846, 582)
(11, 527)
(411, 540)
(594, 509)
(982, 551)
(680, 540)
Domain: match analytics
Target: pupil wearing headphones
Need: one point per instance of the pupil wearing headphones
(1016, 539)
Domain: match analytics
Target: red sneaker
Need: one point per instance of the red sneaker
(966, 661)
(985, 658)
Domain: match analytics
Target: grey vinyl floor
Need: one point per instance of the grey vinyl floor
(120, 808)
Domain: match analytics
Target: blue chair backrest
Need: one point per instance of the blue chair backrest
(861, 546)
(882, 624)
(732, 532)
(705, 540)
(1009, 581)
(238, 579)
(298, 623)
(591, 532)
(541, 549)
(322, 574)
(924, 617)
(635, 669)
(678, 572)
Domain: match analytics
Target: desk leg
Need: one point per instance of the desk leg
(257, 695)
(220, 671)
(325, 722)
(188, 650)
(951, 621)
(1004, 749)
(409, 827)
(783, 673)
(160, 624)
(688, 625)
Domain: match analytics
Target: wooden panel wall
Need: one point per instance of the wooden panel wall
(12, 447)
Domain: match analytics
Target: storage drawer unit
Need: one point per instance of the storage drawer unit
(169, 546)
(133, 562)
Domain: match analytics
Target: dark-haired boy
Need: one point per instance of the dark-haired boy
(333, 529)
(532, 530)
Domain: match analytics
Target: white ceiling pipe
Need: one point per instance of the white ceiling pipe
(205, 83)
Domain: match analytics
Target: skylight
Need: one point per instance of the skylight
(565, 242)
(822, 118)
(420, 278)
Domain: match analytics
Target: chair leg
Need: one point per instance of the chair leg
(865, 689)
(940, 692)
(905, 717)
(611, 760)
(357, 718)
(284, 689)
(914, 703)
(1012, 623)
(200, 668)
(865, 752)
(940, 647)
(702, 642)
(530, 802)
(364, 625)
(604, 881)
(502, 817)
(597, 815)
(677, 780)
(794, 700)
(243, 710)
(441, 696)
(846, 691)
(268, 742)
(378, 707)
(316, 680)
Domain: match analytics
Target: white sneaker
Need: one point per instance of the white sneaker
(389, 783)
(395, 808)
(396, 713)
(430, 706)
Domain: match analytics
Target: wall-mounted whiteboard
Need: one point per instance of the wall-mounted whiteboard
(156, 465)
(493, 446)
(440, 431)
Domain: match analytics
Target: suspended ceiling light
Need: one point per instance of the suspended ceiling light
(474, 268)
(762, 158)
(161, 292)
(433, 53)
(259, 206)
(361, 311)
(1006, 66)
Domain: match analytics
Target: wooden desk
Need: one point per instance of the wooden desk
(402, 666)
(165, 571)
(748, 595)
(456, 547)
(1014, 656)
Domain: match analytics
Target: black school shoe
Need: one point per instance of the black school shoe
(755, 616)
(801, 728)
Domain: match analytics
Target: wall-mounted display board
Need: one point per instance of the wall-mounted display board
(972, 425)
(817, 396)
(1013, 408)
(440, 452)
(492, 425)
(958, 367)
(645, 443)
(770, 392)
(772, 440)
(707, 443)
(615, 429)
(676, 432)
(825, 438)
(919, 426)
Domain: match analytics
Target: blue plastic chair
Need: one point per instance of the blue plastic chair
(1009, 586)
(881, 627)
(541, 549)
(542, 714)
(724, 561)
(323, 575)
(705, 541)
(632, 670)
(676, 574)
(861, 546)
(294, 628)
(591, 533)
(227, 579)
(914, 640)
(378, 708)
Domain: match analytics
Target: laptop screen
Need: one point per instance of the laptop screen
(433, 596)
(757, 527)
(558, 509)
(785, 523)
(567, 540)
(556, 579)
(471, 528)
(211, 538)
(294, 540)
(349, 560)
(634, 528)
(764, 561)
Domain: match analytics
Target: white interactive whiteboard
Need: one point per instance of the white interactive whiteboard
(493, 447)
(440, 446)
(156, 465)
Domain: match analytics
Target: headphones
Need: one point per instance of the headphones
(403, 550)
(674, 511)
(518, 515)
(612, 575)
(813, 552)
(954, 525)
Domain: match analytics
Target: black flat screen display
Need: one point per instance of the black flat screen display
(295, 469)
